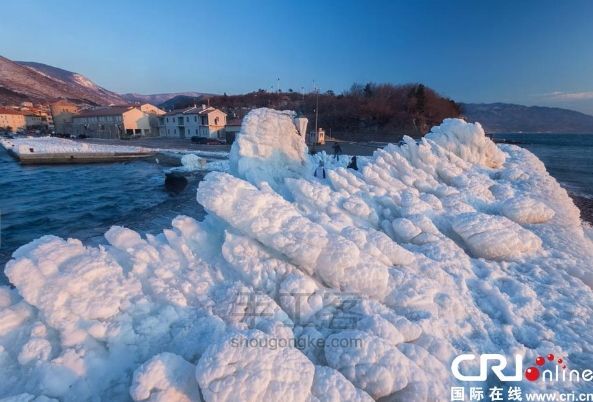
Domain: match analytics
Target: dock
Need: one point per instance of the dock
(74, 158)
(53, 151)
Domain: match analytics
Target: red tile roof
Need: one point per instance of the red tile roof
(10, 111)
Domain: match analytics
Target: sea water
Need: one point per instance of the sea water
(84, 201)
(568, 157)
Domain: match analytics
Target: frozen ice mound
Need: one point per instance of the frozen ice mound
(361, 286)
(495, 237)
(193, 162)
(250, 368)
(269, 148)
(165, 377)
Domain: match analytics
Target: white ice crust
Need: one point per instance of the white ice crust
(54, 145)
(360, 286)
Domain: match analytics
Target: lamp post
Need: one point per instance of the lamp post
(316, 108)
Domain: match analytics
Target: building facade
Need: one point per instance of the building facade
(35, 121)
(233, 127)
(116, 122)
(62, 112)
(12, 120)
(194, 121)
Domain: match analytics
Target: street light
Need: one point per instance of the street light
(316, 108)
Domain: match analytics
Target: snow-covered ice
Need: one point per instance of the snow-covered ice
(360, 286)
(54, 145)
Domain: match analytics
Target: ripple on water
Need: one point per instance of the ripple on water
(83, 201)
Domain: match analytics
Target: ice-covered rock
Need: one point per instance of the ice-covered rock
(254, 367)
(330, 385)
(363, 285)
(526, 210)
(165, 377)
(369, 362)
(495, 237)
(468, 141)
(268, 148)
(193, 162)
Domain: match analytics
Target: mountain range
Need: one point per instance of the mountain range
(510, 118)
(37, 82)
(160, 99)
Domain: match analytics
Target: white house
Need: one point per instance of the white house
(200, 121)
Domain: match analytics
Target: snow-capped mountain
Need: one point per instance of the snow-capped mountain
(21, 81)
(157, 99)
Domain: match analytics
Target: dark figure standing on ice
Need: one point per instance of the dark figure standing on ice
(353, 164)
(320, 171)
(337, 151)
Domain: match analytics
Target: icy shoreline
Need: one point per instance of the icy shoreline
(450, 246)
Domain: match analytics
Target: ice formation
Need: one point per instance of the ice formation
(361, 286)
(193, 162)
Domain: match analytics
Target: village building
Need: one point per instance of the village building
(12, 120)
(62, 112)
(117, 122)
(195, 121)
(233, 127)
(151, 109)
(35, 120)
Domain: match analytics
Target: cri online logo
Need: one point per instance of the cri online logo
(498, 363)
(532, 373)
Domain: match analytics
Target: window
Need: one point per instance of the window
(137, 131)
(216, 121)
(195, 118)
(129, 131)
(204, 120)
(187, 119)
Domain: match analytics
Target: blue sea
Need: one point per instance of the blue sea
(568, 157)
(84, 201)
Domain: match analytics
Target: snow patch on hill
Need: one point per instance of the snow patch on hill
(363, 285)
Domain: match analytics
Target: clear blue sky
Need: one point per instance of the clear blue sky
(530, 52)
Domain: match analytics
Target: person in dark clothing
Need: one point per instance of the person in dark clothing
(320, 171)
(353, 164)
(337, 151)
